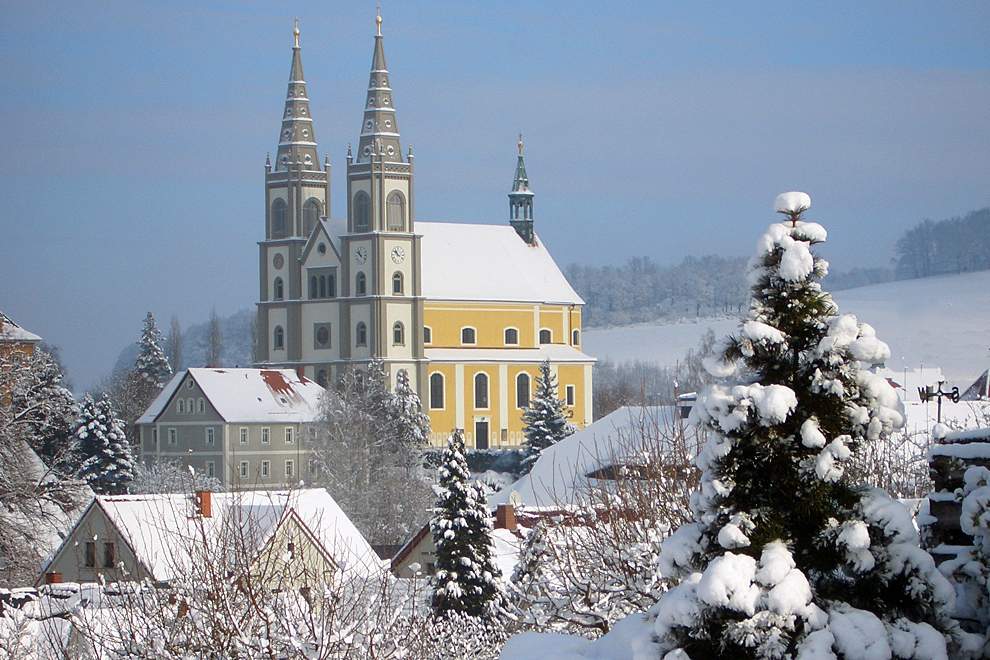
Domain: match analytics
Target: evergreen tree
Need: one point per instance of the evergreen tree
(787, 557)
(467, 579)
(151, 362)
(544, 421)
(410, 425)
(101, 454)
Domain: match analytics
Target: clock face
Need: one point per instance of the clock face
(278, 261)
(360, 255)
(398, 254)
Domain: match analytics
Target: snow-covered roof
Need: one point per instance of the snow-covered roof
(489, 262)
(248, 395)
(161, 528)
(10, 331)
(554, 352)
(559, 478)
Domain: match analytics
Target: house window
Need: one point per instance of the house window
(312, 466)
(398, 334)
(427, 335)
(576, 337)
(289, 468)
(397, 284)
(570, 395)
(481, 390)
(90, 552)
(290, 549)
(311, 213)
(511, 337)
(211, 469)
(265, 437)
(109, 557)
(322, 379)
(201, 406)
(278, 218)
(436, 391)
(546, 337)
(244, 436)
(360, 284)
(265, 468)
(522, 390)
(279, 288)
(396, 212)
(190, 406)
(210, 435)
(180, 406)
(288, 435)
(244, 469)
(172, 436)
(362, 211)
(279, 338)
(468, 336)
(361, 335)
(154, 436)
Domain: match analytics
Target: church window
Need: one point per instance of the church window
(323, 286)
(322, 379)
(323, 335)
(361, 334)
(314, 290)
(396, 212)
(481, 390)
(278, 218)
(575, 337)
(398, 334)
(427, 335)
(360, 284)
(362, 211)
(468, 336)
(570, 395)
(436, 391)
(331, 287)
(397, 284)
(511, 337)
(279, 288)
(311, 215)
(279, 338)
(546, 336)
(522, 390)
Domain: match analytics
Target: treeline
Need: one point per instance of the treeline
(956, 245)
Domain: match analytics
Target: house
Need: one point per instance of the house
(242, 426)
(15, 338)
(470, 311)
(297, 537)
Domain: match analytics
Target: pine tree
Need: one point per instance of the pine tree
(788, 557)
(467, 579)
(151, 362)
(544, 420)
(101, 453)
(410, 425)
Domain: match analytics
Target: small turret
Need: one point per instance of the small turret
(521, 201)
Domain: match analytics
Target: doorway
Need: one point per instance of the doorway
(481, 434)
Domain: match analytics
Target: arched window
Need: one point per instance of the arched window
(575, 337)
(313, 288)
(331, 287)
(362, 211)
(481, 390)
(522, 390)
(360, 284)
(323, 286)
(279, 288)
(397, 284)
(511, 337)
(322, 379)
(278, 218)
(468, 336)
(396, 211)
(311, 215)
(279, 338)
(361, 334)
(398, 334)
(202, 406)
(180, 407)
(436, 391)
(546, 337)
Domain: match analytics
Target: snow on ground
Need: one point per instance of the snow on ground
(936, 321)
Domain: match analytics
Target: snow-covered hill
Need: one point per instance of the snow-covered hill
(937, 321)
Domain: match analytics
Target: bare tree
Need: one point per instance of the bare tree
(174, 344)
(214, 340)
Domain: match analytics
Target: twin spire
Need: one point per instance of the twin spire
(297, 140)
(379, 129)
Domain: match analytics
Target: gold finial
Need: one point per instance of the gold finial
(378, 20)
(296, 32)
(520, 144)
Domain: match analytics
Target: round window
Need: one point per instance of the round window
(278, 261)
(322, 248)
(322, 336)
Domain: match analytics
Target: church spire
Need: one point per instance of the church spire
(297, 141)
(521, 201)
(379, 131)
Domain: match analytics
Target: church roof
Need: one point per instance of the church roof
(489, 262)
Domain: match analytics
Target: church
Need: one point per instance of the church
(470, 311)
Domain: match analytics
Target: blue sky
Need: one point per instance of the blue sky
(133, 134)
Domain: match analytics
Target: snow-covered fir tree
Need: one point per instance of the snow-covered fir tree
(411, 426)
(787, 557)
(100, 451)
(151, 362)
(467, 579)
(544, 420)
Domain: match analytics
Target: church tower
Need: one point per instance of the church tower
(297, 195)
(380, 251)
(521, 201)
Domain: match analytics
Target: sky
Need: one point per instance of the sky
(134, 134)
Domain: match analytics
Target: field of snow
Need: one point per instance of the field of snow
(936, 321)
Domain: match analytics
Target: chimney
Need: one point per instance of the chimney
(505, 517)
(53, 578)
(204, 503)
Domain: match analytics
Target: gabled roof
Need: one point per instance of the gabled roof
(324, 229)
(10, 331)
(489, 262)
(277, 396)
